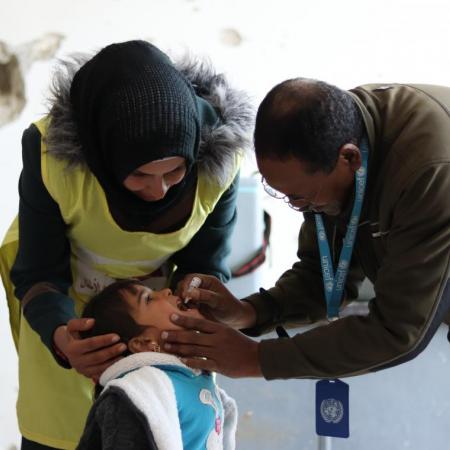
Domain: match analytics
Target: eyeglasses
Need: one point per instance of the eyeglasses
(290, 199)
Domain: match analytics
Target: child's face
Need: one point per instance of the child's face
(154, 308)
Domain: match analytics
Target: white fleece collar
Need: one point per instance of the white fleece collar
(138, 360)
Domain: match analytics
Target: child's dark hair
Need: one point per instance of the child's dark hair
(112, 313)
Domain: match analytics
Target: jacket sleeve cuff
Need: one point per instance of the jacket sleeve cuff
(268, 313)
(45, 313)
(279, 359)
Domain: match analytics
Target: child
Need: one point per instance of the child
(151, 399)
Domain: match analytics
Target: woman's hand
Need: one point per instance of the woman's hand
(208, 345)
(216, 302)
(90, 356)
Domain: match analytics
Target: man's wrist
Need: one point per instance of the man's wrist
(257, 372)
(248, 317)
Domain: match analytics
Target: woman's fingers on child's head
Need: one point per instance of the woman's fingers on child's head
(76, 325)
(91, 363)
(96, 343)
(102, 356)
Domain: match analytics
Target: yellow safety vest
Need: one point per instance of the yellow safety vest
(53, 402)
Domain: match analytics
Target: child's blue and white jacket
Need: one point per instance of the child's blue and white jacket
(153, 401)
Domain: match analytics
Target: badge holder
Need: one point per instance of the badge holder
(332, 411)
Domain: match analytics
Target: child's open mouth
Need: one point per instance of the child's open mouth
(186, 305)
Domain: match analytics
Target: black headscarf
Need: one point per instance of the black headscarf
(132, 106)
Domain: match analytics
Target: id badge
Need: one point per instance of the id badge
(332, 413)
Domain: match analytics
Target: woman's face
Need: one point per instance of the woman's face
(154, 308)
(151, 181)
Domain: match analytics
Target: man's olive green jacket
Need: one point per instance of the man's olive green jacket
(402, 246)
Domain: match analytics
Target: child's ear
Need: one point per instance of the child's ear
(143, 344)
(135, 345)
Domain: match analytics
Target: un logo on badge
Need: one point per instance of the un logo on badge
(322, 235)
(331, 410)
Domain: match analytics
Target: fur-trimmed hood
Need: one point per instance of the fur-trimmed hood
(218, 145)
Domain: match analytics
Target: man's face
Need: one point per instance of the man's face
(154, 308)
(319, 191)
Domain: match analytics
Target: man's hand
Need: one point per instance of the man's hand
(90, 356)
(226, 350)
(215, 301)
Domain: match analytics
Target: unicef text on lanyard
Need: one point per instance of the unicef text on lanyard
(332, 396)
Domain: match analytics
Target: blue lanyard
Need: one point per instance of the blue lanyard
(334, 283)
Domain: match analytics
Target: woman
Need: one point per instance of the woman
(133, 173)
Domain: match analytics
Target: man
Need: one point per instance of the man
(310, 141)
